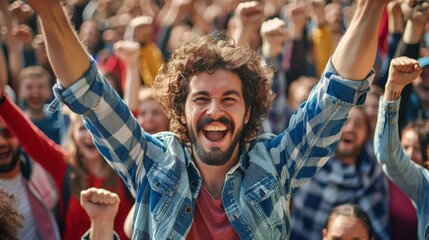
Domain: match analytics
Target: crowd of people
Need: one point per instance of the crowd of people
(214, 119)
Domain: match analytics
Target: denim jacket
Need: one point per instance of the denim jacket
(410, 177)
(161, 174)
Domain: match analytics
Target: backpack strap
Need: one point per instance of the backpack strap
(65, 194)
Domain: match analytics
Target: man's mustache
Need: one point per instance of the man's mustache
(209, 120)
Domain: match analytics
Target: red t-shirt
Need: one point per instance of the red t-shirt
(210, 220)
(403, 215)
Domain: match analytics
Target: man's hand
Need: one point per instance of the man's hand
(250, 14)
(317, 10)
(21, 10)
(415, 10)
(23, 33)
(100, 204)
(127, 51)
(402, 71)
(274, 33)
(296, 12)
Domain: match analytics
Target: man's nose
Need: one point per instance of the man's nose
(215, 108)
(348, 126)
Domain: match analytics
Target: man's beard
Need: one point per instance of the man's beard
(4, 168)
(215, 156)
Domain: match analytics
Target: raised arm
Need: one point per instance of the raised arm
(101, 206)
(395, 162)
(68, 57)
(115, 132)
(36, 144)
(355, 55)
(14, 55)
(129, 52)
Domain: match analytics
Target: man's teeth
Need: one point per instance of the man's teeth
(215, 128)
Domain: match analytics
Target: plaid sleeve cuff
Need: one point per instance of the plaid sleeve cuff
(348, 91)
(82, 95)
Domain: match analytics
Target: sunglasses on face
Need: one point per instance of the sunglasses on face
(6, 133)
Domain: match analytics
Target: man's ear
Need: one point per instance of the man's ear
(247, 115)
(324, 233)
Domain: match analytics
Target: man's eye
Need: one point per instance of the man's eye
(229, 101)
(201, 100)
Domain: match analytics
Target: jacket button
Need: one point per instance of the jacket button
(157, 185)
(188, 210)
(235, 216)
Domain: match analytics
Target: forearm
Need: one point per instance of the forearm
(243, 36)
(271, 50)
(132, 85)
(395, 162)
(14, 56)
(392, 92)
(413, 32)
(101, 230)
(67, 55)
(355, 55)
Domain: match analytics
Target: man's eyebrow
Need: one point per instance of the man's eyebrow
(205, 93)
(229, 92)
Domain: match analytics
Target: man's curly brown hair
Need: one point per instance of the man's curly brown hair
(10, 218)
(207, 54)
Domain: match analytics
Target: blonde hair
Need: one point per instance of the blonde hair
(34, 71)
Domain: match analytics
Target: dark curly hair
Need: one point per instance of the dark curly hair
(10, 218)
(207, 53)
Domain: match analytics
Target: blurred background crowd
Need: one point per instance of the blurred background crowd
(54, 159)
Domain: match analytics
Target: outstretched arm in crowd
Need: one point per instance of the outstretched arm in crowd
(129, 52)
(395, 162)
(14, 55)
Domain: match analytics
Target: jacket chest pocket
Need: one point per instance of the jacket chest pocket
(265, 199)
(163, 187)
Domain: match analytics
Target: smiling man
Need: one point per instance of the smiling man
(213, 177)
(36, 194)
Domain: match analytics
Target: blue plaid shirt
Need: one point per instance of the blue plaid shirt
(161, 174)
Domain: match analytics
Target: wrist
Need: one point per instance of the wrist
(270, 50)
(392, 92)
(413, 32)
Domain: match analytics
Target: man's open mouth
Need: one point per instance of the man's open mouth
(215, 133)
